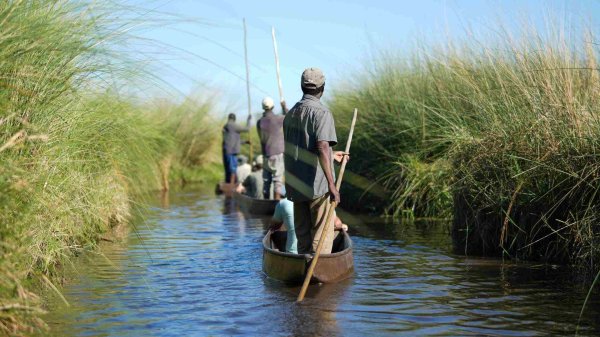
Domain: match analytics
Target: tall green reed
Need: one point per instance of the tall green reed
(500, 134)
(74, 150)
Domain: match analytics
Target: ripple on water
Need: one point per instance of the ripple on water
(194, 268)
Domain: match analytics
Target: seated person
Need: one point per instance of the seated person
(284, 215)
(252, 186)
(244, 169)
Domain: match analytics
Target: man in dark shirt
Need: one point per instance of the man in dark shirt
(270, 131)
(309, 133)
(231, 146)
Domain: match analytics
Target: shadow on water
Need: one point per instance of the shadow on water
(194, 267)
(316, 315)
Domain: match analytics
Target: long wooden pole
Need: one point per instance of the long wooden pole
(248, 83)
(281, 99)
(330, 212)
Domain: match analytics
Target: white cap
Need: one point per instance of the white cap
(258, 160)
(267, 103)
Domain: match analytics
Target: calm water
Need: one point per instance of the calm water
(194, 268)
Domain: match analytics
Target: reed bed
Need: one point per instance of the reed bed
(500, 134)
(75, 152)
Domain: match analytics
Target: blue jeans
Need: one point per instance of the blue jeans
(230, 165)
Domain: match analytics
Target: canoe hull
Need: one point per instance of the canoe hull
(291, 268)
(225, 188)
(255, 206)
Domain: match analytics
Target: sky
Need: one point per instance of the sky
(199, 47)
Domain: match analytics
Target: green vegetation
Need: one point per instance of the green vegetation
(194, 152)
(502, 136)
(74, 151)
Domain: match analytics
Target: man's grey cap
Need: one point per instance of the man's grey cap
(242, 159)
(312, 78)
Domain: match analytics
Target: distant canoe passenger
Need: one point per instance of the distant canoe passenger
(252, 186)
(244, 169)
(270, 131)
(309, 133)
(231, 146)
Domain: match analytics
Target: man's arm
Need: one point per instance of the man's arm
(325, 162)
(284, 108)
(241, 129)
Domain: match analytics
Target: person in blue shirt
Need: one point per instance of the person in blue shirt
(284, 215)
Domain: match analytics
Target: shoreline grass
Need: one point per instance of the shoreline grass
(502, 136)
(75, 153)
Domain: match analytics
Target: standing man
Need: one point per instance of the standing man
(231, 146)
(309, 133)
(270, 131)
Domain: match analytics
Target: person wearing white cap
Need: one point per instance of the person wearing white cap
(309, 133)
(270, 131)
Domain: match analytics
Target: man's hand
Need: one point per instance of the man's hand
(334, 195)
(339, 156)
(284, 108)
(240, 189)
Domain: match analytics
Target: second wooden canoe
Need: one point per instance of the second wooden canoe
(225, 188)
(291, 268)
(255, 206)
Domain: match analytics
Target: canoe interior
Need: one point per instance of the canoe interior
(279, 239)
(255, 206)
(291, 268)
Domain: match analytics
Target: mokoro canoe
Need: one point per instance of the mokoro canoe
(255, 206)
(291, 268)
(225, 188)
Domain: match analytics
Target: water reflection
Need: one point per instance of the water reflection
(194, 268)
(315, 316)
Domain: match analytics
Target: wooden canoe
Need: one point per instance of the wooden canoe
(225, 188)
(255, 206)
(291, 268)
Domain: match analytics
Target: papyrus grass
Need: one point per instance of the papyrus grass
(502, 134)
(75, 150)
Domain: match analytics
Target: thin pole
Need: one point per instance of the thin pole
(281, 99)
(248, 83)
(330, 210)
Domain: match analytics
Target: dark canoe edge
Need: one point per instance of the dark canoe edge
(255, 206)
(291, 268)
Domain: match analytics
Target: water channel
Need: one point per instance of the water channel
(193, 268)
